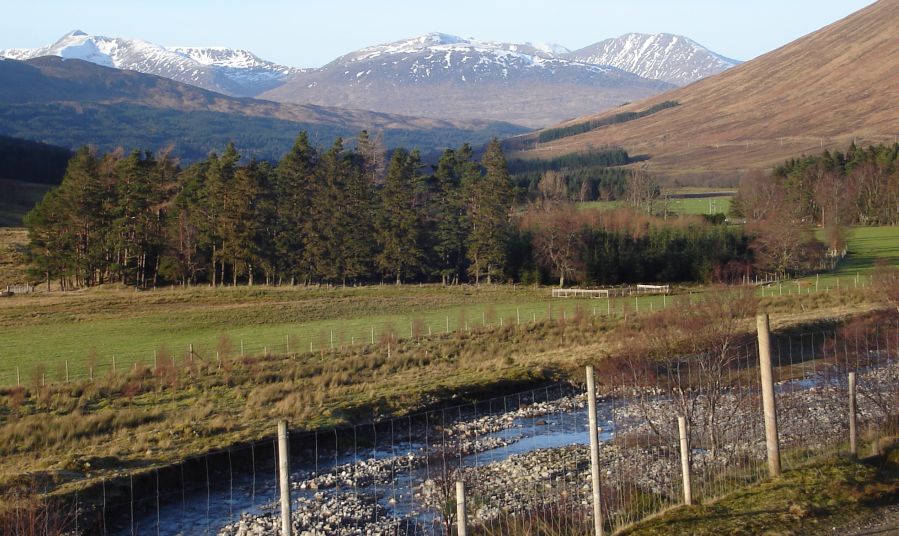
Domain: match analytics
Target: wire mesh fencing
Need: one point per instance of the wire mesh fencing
(524, 459)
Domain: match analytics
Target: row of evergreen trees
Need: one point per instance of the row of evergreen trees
(334, 215)
(833, 189)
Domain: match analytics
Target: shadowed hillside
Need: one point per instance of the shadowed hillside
(73, 102)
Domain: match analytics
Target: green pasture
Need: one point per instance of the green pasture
(865, 247)
(43, 334)
(678, 205)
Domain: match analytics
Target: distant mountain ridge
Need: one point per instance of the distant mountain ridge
(71, 102)
(671, 58)
(434, 75)
(232, 72)
(441, 75)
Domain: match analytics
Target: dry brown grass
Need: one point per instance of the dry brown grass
(828, 88)
(13, 265)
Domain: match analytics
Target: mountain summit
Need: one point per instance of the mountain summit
(672, 58)
(232, 72)
(441, 75)
(434, 75)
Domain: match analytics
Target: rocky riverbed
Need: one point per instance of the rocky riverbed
(404, 491)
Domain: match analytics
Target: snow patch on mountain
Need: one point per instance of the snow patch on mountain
(422, 58)
(231, 58)
(232, 72)
(554, 49)
(672, 58)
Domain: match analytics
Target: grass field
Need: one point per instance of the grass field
(48, 332)
(677, 204)
(153, 415)
(866, 246)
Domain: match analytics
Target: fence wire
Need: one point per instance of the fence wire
(326, 337)
(524, 457)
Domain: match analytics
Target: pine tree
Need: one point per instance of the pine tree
(398, 221)
(357, 206)
(292, 184)
(214, 199)
(489, 205)
(85, 199)
(241, 228)
(133, 226)
(51, 239)
(454, 172)
(322, 235)
(187, 249)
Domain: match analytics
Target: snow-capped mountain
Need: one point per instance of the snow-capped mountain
(440, 75)
(672, 58)
(434, 75)
(231, 72)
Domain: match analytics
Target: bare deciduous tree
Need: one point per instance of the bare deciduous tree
(783, 248)
(694, 351)
(558, 240)
(642, 190)
(552, 189)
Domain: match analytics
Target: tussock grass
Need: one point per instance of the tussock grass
(810, 499)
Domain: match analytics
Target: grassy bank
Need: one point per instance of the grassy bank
(818, 498)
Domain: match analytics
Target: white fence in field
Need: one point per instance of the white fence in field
(639, 290)
(19, 289)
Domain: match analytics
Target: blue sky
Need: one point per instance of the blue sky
(309, 33)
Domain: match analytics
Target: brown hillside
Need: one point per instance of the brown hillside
(823, 90)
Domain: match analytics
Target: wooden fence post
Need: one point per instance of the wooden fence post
(685, 460)
(853, 430)
(768, 400)
(284, 476)
(461, 521)
(594, 454)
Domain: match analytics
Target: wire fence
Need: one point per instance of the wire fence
(325, 338)
(525, 459)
